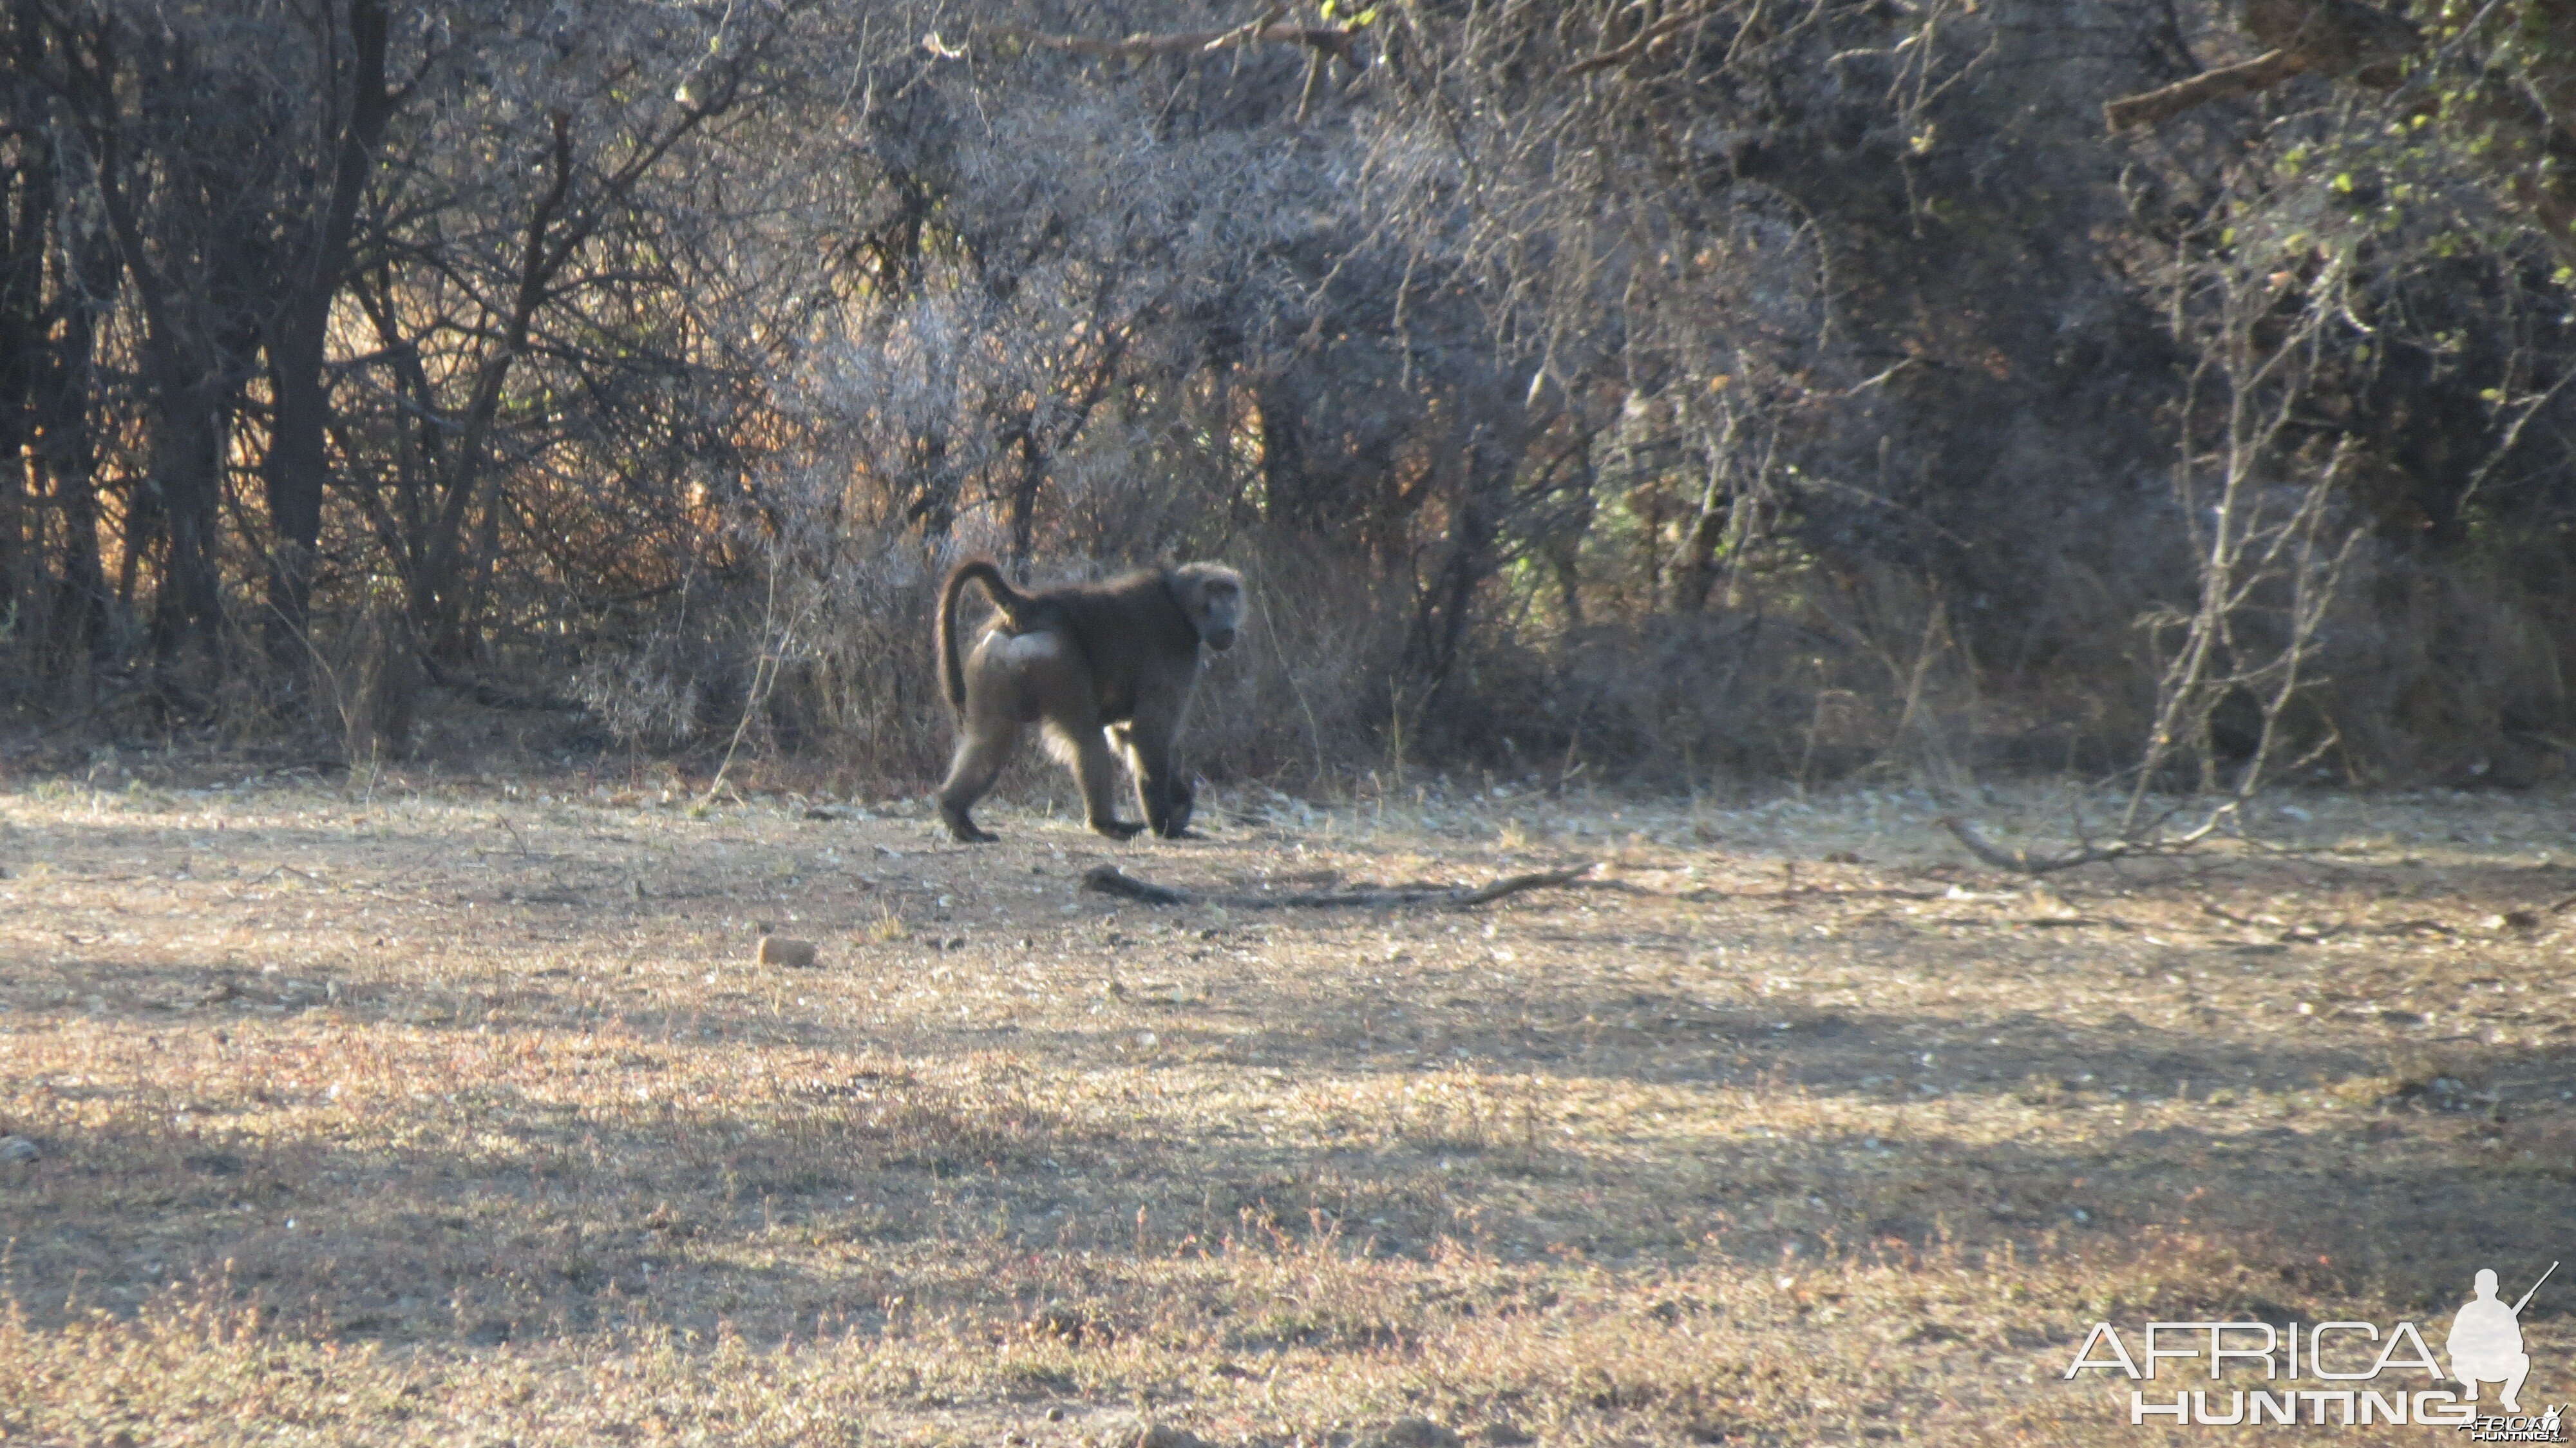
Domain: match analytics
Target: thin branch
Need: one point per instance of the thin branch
(1342, 45)
(1110, 880)
(2156, 106)
(1645, 39)
(2130, 846)
(758, 692)
(2022, 860)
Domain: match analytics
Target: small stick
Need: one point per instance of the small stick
(2261, 73)
(2022, 860)
(1110, 880)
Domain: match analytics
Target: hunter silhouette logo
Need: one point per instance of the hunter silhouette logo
(2486, 1341)
(2361, 1374)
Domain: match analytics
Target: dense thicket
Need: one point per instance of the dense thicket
(1680, 388)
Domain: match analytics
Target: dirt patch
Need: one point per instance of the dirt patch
(455, 1114)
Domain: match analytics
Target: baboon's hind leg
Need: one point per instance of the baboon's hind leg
(982, 750)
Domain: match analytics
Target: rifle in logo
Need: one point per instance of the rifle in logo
(2486, 1340)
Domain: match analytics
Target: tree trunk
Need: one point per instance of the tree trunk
(62, 457)
(298, 461)
(186, 453)
(1024, 500)
(448, 575)
(23, 326)
(1696, 569)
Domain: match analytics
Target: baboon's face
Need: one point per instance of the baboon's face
(1213, 594)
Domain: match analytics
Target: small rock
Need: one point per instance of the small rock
(779, 950)
(17, 1149)
(1503, 1433)
(1055, 1415)
(1164, 1435)
(1411, 1433)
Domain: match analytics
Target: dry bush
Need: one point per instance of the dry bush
(2449, 676)
(839, 601)
(372, 673)
(1807, 678)
(652, 695)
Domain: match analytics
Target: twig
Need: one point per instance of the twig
(1249, 30)
(2358, 42)
(1644, 40)
(1792, 892)
(757, 694)
(1110, 880)
(2151, 107)
(2022, 860)
(274, 871)
(1341, 44)
(2394, 927)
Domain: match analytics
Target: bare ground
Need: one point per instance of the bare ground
(460, 1112)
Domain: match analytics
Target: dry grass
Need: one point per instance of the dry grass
(464, 1113)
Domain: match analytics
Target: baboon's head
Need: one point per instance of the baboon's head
(1212, 595)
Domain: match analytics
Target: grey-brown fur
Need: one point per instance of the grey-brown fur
(1103, 668)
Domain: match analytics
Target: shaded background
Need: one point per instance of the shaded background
(1670, 392)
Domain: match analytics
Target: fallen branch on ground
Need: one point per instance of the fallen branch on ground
(1110, 880)
(2142, 846)
(2029, 864)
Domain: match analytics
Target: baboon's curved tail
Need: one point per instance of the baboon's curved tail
(952, 673)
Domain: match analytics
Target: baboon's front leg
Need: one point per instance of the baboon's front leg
(1165, 797)
(1094, 768)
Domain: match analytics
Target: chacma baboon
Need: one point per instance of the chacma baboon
(1098, 666)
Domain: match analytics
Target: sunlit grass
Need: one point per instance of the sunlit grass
(434, 1115)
